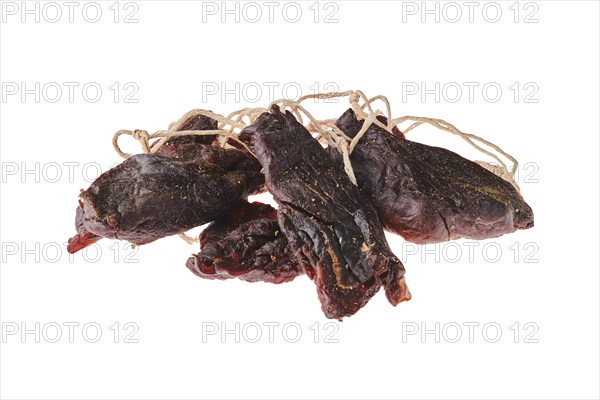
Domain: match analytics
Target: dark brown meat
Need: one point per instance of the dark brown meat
(334, 233)
(195, 123)
(228, 159)
(83, 238)
(151, 196)
(430, 194)
(248, 244)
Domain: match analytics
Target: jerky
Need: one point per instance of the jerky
(334, 233)
(195, 123)
(84, 238)
(151, 196)
(429, 194)
(247, 243)
(228, 159)
(191, 147)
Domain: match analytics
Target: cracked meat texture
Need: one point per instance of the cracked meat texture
(332, 230)
(150, 196)
(430, 194)
(248, 244)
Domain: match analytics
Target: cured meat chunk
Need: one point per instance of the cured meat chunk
(429, 194)
(151, 196)
(228, 159)
(194, 123)
(248, 244)
(83, 238)
(334, 232)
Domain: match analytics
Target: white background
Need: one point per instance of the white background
(171, 54)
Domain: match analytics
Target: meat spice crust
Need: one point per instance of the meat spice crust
(248, 244)
(429, 194)
(151, 196)
(334, 233)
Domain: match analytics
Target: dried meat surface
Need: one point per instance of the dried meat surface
(429, 194)
(83, 238)
(332, 230)
(195, 123)
(247, 244)
(151, 196)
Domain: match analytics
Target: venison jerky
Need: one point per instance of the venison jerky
(228, 159)
(196, 147)
(84, 238)
(334, 233)
(151, 196)
(429, 194)
(194, 123)
(248, 244)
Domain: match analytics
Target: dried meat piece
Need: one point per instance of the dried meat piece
(83, 238)
(195, 123)
(196, 147)
(228, 159)
(151, 196)
(246, 243)
(334, 232)
(429, 194)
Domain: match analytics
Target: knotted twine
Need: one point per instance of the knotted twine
(228, 127)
